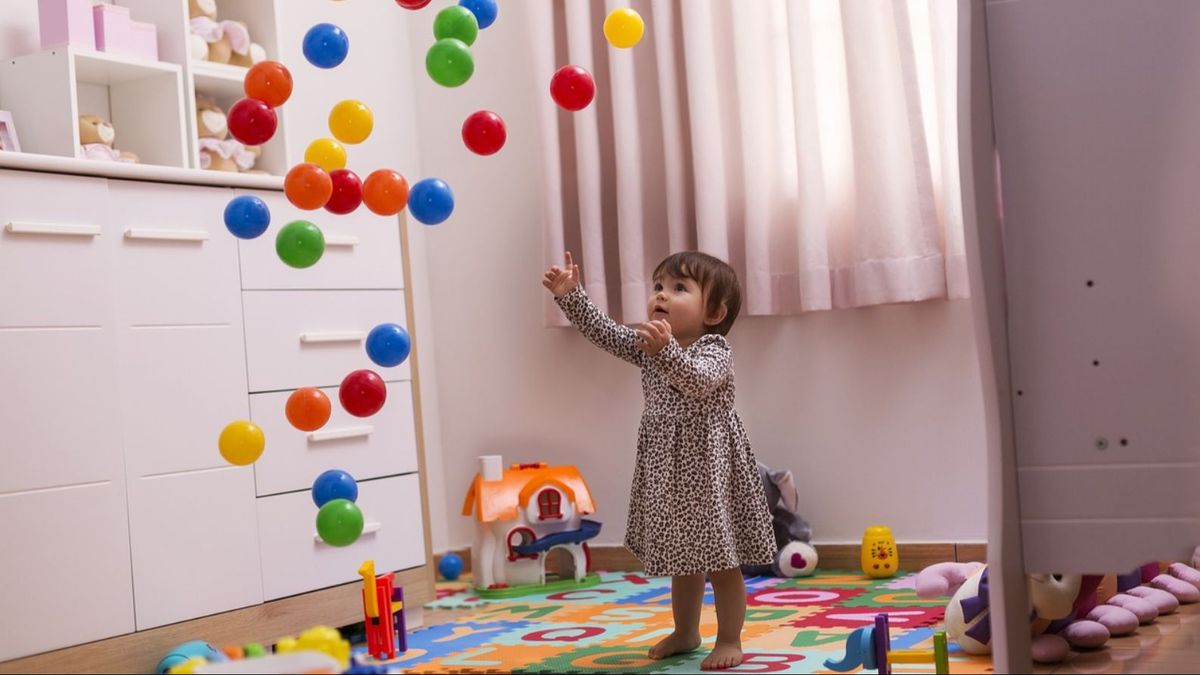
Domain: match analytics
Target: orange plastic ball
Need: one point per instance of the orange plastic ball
(270, 82)
(308, 187)
(308, 409)
(385, 192)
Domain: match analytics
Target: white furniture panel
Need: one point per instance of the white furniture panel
(60, 413)
(52, 249)
(295, 561)
(1097, 120)
(195, 544)
(177, 262)
(362, 250)
(315, 338)
(382, 445)
(65, 575)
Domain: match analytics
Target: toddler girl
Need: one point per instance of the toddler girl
(697, 506)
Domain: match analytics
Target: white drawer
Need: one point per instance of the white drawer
(195, 548)
(181, 386)
(300, 339)
(176, 262)
(382, 445)
(362, 250)
(60, 410)
(60, 276)
(294, 561)
(64, 574)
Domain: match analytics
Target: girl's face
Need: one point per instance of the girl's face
(680, 303)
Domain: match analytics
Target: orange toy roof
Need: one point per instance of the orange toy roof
(502, 499)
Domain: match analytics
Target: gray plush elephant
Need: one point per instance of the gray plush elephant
(796, 557)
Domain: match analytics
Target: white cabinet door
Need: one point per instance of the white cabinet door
(295, 561)
(383, 445)
(64, 573)
(362, 250)
(315, 338)
(195, 544)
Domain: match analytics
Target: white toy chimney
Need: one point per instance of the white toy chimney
(491, 467)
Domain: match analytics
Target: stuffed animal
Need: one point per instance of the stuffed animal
(796, 557)
(220, 41)
(96, 138)
(218, 152)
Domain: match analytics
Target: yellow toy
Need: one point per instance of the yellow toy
(322, 639)
(879, 557)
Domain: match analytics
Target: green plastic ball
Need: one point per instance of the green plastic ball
(449, 62)
(339, 522)
(456, 22)
(300, 244)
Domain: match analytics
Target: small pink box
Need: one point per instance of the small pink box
(64, 23)
(113, 29)
(144, 40)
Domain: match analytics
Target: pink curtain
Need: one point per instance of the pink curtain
(809, 143)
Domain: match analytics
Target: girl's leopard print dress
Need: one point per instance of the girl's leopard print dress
(697, 503)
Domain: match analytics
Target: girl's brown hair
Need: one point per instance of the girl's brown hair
(717, 280)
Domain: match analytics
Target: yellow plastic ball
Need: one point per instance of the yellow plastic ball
(624, 28)
(241, 442)
(351, 121)
(327, 154)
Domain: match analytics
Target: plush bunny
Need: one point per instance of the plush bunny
(796, 557)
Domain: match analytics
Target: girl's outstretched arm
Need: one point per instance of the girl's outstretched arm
(618, 340)
(697, 371)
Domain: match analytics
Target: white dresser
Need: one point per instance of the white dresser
(133, 327)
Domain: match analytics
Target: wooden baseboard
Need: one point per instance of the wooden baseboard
(265, 624)
(913, 557)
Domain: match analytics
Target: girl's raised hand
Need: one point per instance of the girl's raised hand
(560, 280)
(655, 335)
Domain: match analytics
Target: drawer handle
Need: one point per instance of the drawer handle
(369, 528)
(338, 434)
(333, 336)
(166, 235)
(341, 240)
(52, 228)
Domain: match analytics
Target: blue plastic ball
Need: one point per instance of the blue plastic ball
(450, 566)
(247, 216)
(388, 345)
(430, 201)
(326, 45)
(334, 484)
(190, 650)
(484, 10)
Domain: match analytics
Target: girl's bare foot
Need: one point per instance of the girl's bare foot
(677, 643)
(724, 655)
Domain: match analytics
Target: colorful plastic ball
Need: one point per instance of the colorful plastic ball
(388, 345)
(362, 393)
(189, 650)
(308, 409)
(327, 154)
(430, 201)
(326, 45)
(385, 192)
(351, 121)
(623, 28)
(339, 523)
(347, 192)
(252, 121)
(450, 566)
(485, 11)
(572, 88)
(269, 82)
(456, 22)
(307, 186)
(300, 244)
(449, 62)
(241, 442)
(247, 216)
(484, 132)
(334, 484)
(413, 4)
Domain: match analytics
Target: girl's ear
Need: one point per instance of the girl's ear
(717, 316)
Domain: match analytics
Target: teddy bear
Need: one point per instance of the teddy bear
(220, 41)
(218, 152)
(96, 138)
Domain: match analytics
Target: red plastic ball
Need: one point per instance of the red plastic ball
(412, 4)
(484, 132)
(572, 87)
(252, 121)
(362, 393)
(347, 192)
